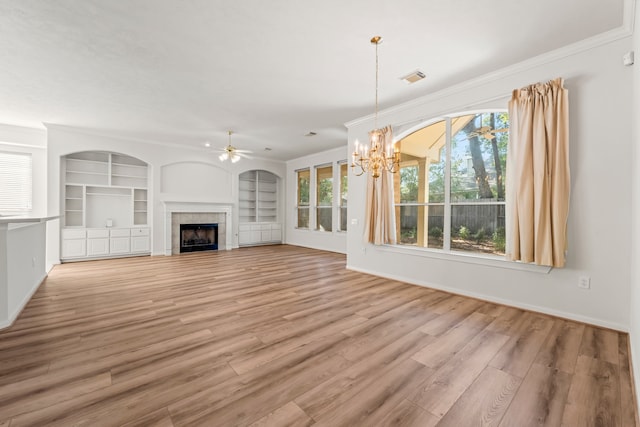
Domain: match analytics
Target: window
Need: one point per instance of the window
(344, 172)
(15, 182)
(302, 206)
(324, 197)
(449, 193)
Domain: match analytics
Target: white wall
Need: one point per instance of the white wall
(22, 247)
(223, 188)
(600, 211)
(634, 332)
(334, 241)
(32, 141)
(26, 266)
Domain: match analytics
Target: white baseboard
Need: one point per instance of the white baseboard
(489, 298)
(13, 316)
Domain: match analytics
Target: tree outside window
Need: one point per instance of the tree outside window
(344, 172)
(324, 198)
(302, 206)
(450, 189)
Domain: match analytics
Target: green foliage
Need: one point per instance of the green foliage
(463, 183)
(464, 232)
(303, 191)
(499, 239)
(480, 235)
(325, 192)
(409, 184)
(343, 189)
(408, 235)
(436, 181)
(435, 232)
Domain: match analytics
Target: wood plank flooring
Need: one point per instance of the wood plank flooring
(286, 336)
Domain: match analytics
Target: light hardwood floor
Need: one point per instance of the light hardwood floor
(282, 335)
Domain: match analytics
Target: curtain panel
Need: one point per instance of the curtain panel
(538, 181)
(380, 219)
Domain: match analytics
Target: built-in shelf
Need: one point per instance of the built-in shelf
(104, 190)
(258, 205)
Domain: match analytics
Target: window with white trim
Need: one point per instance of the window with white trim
(16, 173)
(324, 198)
(343, 183)
(303, 178)
(449, 192)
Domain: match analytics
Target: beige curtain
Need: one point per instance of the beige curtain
(538, 183)
(380, 219)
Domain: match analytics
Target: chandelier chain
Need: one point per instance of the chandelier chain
(375, 122)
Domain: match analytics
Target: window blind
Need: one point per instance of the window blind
(15, 182)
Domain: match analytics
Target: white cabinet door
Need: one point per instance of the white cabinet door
(244, 234)
(140, 244)
(97, 247)
(119, 245)
(74, 248)
(256, 234)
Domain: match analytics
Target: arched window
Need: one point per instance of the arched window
(449, 193)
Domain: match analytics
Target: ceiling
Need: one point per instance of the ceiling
(186, 71)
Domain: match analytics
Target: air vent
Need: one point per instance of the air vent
(413, 77)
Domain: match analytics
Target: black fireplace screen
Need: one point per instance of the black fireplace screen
(198, 237)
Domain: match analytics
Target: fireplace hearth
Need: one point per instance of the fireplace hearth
(198, 237)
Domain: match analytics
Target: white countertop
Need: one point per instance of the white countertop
(26, 219)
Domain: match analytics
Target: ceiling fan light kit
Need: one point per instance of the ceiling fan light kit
(232, 153)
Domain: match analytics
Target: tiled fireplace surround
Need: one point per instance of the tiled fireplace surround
(177, 213)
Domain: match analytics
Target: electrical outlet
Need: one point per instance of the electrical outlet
(584, 282)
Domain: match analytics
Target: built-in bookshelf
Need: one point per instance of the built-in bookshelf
(258, 206)
(74, 205)
(106, 208)
(140, 212)
(258, 196)
(103, 188)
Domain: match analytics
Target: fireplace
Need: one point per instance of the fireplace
(198, 237)
(181, 212)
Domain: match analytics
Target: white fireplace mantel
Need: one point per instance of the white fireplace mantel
(171, 207)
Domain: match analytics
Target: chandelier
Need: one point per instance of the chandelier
(380, 154)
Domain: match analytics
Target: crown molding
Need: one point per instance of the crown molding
(101, 134)
(625, 30)
(125, 138)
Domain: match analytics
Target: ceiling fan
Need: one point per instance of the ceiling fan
(486, 132)
(232, 153)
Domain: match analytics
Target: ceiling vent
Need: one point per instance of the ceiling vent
(414, 76)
